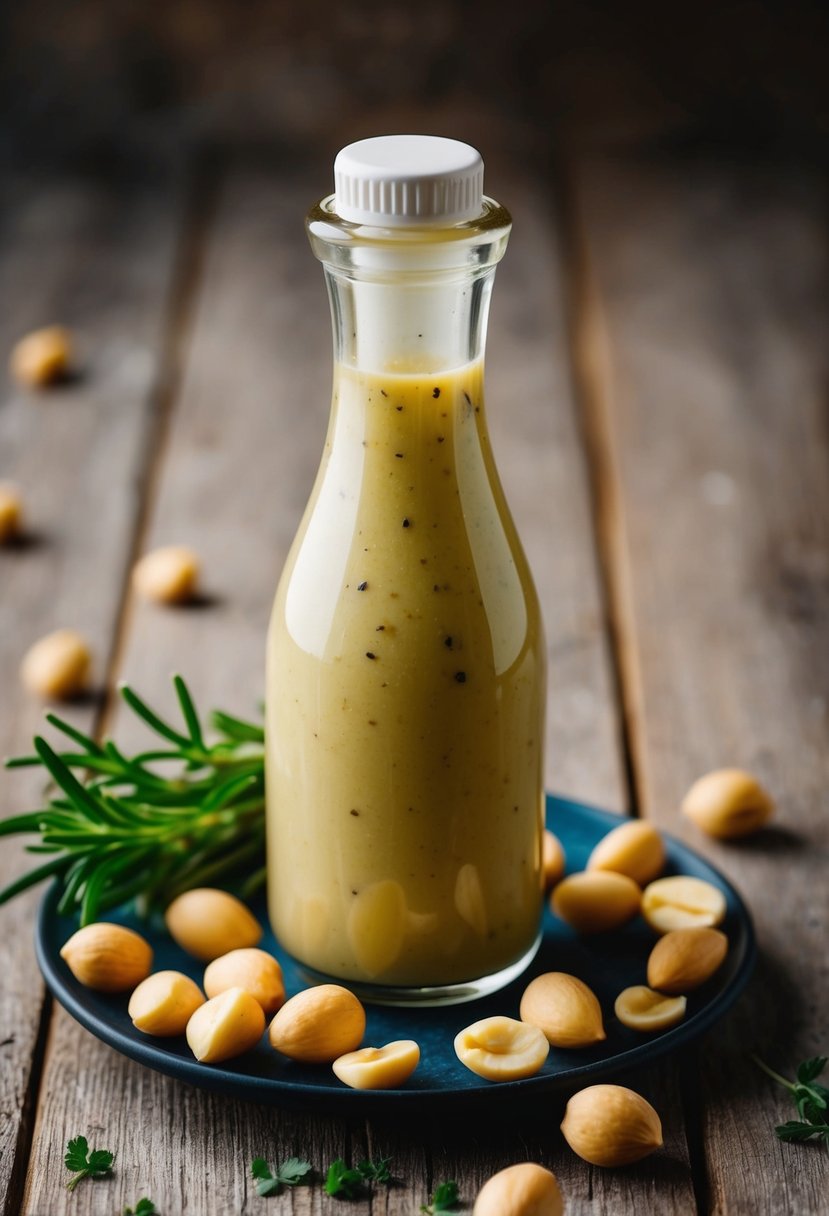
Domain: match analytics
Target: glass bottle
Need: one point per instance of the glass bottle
(406, 660)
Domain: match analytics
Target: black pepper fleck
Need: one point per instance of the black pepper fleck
(399, 409)
(383, 393)
(372, 722)
(440, 438)
(370, 655)
(467, 398)
(406, 523)
(398, 455)
(435, 392)
(362, 586)
(460, 677)
(355, 813)
(380, 628)
(448, 643)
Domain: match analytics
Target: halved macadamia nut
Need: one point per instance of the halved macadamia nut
(386, 1067)
(682, 902)
(502, 1049)
(163, 1003)
(641, 1008)
(225, 1027)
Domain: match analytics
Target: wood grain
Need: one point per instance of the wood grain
(243, 448)
(702, 343)
(95, 256)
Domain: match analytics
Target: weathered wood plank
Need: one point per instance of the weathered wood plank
(96, 257)
(702, 328)
(246, 438)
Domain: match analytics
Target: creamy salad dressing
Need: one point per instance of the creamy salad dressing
(405, 698)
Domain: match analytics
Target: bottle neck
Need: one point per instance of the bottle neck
(409, 300)
(398, 327)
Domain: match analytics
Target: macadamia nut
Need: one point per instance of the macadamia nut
(168, 575)
(57, 666)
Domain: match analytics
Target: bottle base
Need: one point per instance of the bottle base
(423, 996)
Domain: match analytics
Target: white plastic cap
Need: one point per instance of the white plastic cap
(396, 181)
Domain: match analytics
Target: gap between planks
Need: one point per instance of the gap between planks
(592, 389)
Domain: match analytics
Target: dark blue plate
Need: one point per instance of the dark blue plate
(608, 963)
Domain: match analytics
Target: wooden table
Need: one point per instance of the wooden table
(657, 392)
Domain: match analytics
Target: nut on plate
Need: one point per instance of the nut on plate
(564, 1008)
(208, 923)
(728, 803)
(11, 511)
(595, 901)
(108, 957)
(318, 1025)
(168, 575)
(553, 860)
(258, 972)
(610, 1125)
(386, 1067)
(682, 902)
(640, 1008)
(57, 666)
(502, 1049)
(164, 1002)
(685, 958)
(635, 848)
(42, 357)
(226, 1026)
(526, 1189)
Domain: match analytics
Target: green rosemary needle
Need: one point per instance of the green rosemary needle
(124, 831)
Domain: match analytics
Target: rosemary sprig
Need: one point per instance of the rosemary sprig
(123, 830)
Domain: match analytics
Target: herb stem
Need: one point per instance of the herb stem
(775, 1076)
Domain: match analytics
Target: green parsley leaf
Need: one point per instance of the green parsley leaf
(810, 1098)
(445, 1199)
(84, 1164)
(266, 1184)
(144, 1207)
(76, 1153)
(376, 1171)
(810, 1069)
(342, 1181)
(802, 1131)
(290, 1173)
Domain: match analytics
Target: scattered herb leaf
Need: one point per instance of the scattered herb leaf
(445, 1199)
(810, 1098)
(84, 1164)
(342, 1181)
(376, 1171)
(144, 1207)
(289, 1173)
(793, 1130)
